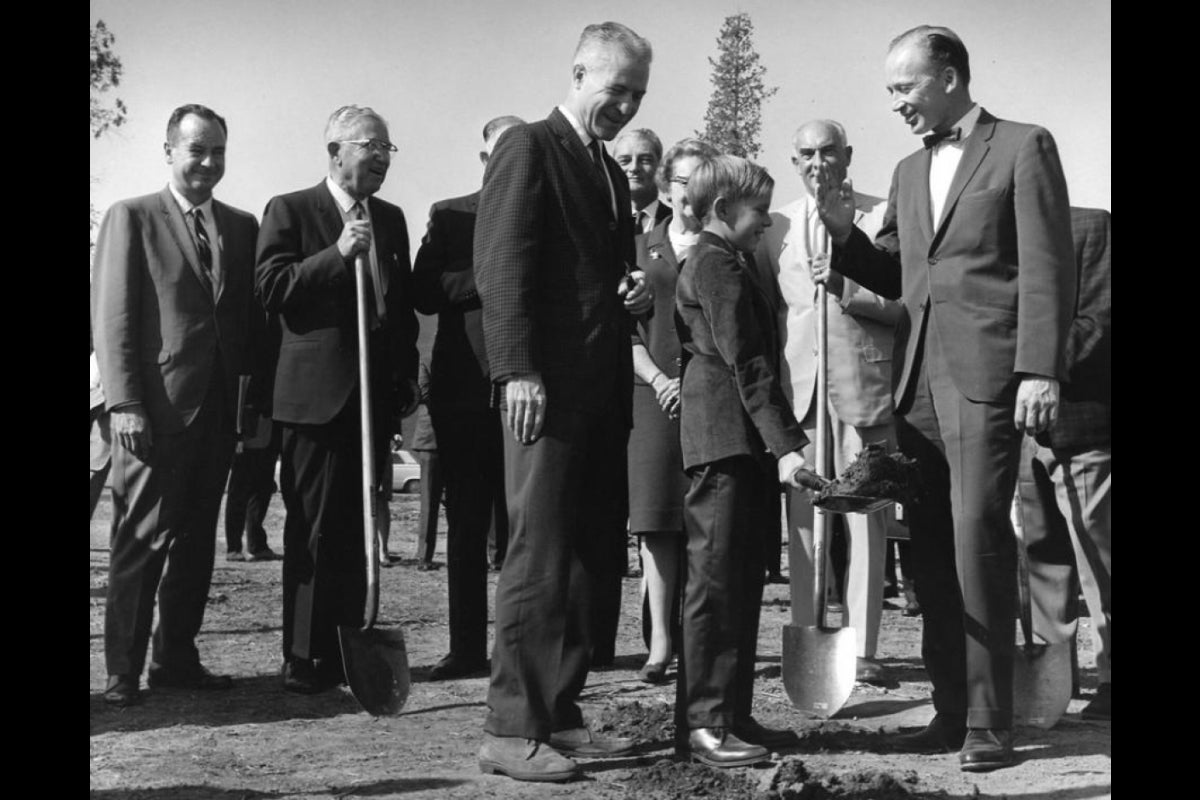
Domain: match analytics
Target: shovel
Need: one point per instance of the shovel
(1041, 672)
(376, 660)
(819, 663)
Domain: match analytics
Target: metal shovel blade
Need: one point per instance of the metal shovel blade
(376, 662)
(820, 669)
(1041, 683)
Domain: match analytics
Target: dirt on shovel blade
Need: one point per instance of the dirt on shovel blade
(875, 473)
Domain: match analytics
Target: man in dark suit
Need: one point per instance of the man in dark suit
(1065, 480)
(639, 152)
(553, 249)
(976, 241)
(172, 300)
(469, 430)
(306, 253)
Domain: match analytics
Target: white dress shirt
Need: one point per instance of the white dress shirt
(586, 138)
(646, 217)
(345, 205)
(210, 227)
(944, 162)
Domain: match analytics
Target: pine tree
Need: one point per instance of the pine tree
(106, 75)
(734, 117)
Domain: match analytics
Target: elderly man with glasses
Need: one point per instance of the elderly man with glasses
(305, 276)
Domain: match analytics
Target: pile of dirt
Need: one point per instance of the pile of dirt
(687, 780)
(875, 473)
(645, 722)
(840, 737)
(795, 781)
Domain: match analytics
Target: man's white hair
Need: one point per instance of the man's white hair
(596, 41)
(345, 118)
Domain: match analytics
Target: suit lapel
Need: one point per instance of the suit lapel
(328, 215)
(924, 201)
(224, 231)
(383, 245)
(183, 238)
(583, 159)
(973, 154)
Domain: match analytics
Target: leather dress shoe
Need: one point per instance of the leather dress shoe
(524, 759)
(266, 554)
(868, 670)
(300, 675)
(986, 749)
(750, 730)
(583, 743)
(718, 747)
(195, 677)
(428, 566)
(454, 666)
(942, 735)
(122, 690)
(235, 555)
(1100, 706)
(653, 672)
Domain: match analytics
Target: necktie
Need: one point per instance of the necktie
(203, 245)
(368, 284)
(598, 166)
(932, 139)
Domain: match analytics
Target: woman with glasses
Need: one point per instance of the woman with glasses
(657, 482)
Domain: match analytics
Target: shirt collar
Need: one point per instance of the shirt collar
(651, 209)
(583, 135)
(343, 199)
(967, 122)
(186, 206)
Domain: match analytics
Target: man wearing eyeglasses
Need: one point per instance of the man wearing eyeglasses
(306, 253)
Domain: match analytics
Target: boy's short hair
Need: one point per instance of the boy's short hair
(731, 177)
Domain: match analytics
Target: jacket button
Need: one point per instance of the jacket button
(932, 261)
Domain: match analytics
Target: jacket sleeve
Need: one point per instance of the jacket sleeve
(286, 279)
(1089, 343)
(439, 282)
(120, 269)
(507, 253)
(874, 266)
(725, 295)
(1045, 257)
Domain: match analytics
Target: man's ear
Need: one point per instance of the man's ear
(167, 152)
(577, 74)
(849, 154)
(332, 148)
(950, 77)
(483, 157)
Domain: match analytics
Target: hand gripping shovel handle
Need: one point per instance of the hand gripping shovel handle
(822, 401)
(370, 539)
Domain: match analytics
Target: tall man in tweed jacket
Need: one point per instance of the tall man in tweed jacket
(553, 247)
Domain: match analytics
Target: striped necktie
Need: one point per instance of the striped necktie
(203, 246)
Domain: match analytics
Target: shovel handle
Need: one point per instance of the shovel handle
(370, 538)
(820, 519)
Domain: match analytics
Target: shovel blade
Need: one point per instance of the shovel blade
(376, 662)
(1041, 683)
(819, 665)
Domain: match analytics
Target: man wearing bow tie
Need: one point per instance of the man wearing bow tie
(172, 300)
(306, 253)
(976, 242)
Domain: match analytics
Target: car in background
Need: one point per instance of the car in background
(406, 472)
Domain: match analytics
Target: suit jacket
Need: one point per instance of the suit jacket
(656, 329)
(303, 279)
(159, 333)
(549, 255)
(997, 269)
(859, 324)
(444, 284)
(732, 402)
(1085, 411)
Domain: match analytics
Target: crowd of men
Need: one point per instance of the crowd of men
(965, 328)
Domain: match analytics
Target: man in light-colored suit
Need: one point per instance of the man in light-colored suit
(976, 241)
(859, 371)
(172, 300)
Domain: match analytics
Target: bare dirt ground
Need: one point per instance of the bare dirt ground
(257, 741)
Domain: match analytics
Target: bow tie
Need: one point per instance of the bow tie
(932, 140)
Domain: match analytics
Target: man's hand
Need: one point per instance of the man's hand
(822, 273)
(637, 293)
(525, 399)
(355, 238)
(666, 391)
(1037, 404)
(131, 428)
(410, 397)
(835, 205)
(794, 472)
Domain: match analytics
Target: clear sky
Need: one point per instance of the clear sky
(437, 70)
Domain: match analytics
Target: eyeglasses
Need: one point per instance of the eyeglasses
(682, 181)
(375, 145)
